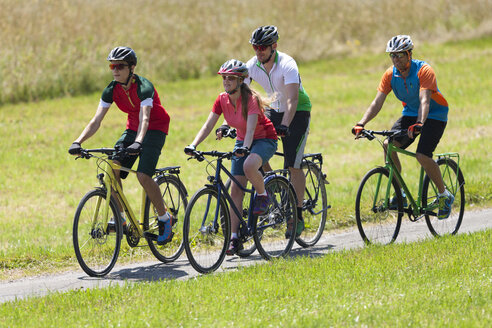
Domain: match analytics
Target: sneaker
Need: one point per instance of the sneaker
(165, 230)
(393, 205)
(261, 205)
(112, 227)
(445, 203)
(300, 227)
(234, 247)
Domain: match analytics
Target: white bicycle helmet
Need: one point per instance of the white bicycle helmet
(399, 43)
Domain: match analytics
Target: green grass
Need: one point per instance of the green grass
(58, 48)
(445, 282)
(41, 185)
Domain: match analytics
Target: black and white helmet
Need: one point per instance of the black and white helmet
(399, 43)
(264, 35)
(123, 53)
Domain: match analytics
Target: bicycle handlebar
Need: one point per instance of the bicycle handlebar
(200, 155)
(111, 152)
(370, 134)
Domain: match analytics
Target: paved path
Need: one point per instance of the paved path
(181, 269)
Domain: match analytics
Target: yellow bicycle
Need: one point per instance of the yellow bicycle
(97, 225)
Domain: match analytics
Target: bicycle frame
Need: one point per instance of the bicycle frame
(108, 180)
(415, 207)
(222, 192)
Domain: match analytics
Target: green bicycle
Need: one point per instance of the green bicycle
(97, 225)
(379, 218)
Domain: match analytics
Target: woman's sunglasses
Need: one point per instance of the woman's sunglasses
(117, 67)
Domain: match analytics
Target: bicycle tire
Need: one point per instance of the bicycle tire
(377, 223)
(270, 228)
(451, 174)
(249, 246)
(206, 243)
(174, 195)
(315, 201)
(96, 247)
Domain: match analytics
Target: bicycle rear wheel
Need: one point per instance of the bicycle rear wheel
(314, 207)
(206, 238)
(96, 245)
(377, 221)
(270, 236)
(174, 195)
(455, 184)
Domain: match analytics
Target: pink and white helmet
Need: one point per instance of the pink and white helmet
(234, 67)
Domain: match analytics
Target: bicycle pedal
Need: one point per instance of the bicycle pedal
(150, 235)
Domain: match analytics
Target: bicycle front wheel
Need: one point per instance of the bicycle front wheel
(315, 205)
(206, 231)
(174, 196)
(249, 246)
(96, 244)
(455, 184)
(378, 219)
(275, 230)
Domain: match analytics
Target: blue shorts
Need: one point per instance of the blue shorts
(265, 148)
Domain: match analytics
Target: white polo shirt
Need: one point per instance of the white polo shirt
(283, 72)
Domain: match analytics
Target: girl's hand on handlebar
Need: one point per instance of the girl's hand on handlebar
(241, 151)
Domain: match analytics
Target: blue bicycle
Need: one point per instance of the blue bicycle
(207, 225)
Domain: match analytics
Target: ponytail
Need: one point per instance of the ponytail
(246, 91)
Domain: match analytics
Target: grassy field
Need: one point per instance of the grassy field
(41, 185)
(445, 282)
(53, 48)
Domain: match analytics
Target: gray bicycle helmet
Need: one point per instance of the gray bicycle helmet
(234, 67)
(264, 35)
(123, 53)
(399, 43)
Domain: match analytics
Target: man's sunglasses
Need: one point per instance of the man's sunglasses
(397, 54)
(118, 67)
(260, 47)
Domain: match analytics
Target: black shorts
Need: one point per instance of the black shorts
(430, 135)
(149, 155)
(294, 144)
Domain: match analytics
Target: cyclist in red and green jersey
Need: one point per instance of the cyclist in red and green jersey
(146, 128)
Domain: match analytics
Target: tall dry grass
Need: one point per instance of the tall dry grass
(52, 48)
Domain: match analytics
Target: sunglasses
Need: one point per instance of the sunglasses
(229, 77)
(260, 47)
(118, 67)
(397, 55)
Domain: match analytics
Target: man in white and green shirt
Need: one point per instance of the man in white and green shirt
(290, 109)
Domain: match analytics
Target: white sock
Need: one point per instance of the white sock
(263, 194)
(445, 193)
(234, 235)
(164, 217)
(403, 193)
(122, 214)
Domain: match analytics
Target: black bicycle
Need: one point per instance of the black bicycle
(315, 204)
(207, 219)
